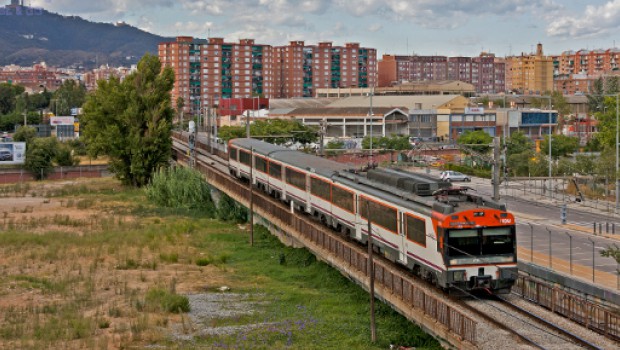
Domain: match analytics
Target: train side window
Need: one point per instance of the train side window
(244, 158)
(320, 188)
(380, 214)
(233, 154)
(343, 199)
(296, 178)
(260, 164)
(416, 229)
(275, 170)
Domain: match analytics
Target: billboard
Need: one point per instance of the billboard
(474, 110)
(12, 153)
(55, 121)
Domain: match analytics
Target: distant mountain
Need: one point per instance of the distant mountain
(70, 41)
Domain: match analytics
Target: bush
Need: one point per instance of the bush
(39, 156)
(161, 300)
(229, 210)
(180, 187)
(203, 261)
(64, 156)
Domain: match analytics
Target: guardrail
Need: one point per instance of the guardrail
(347, 255)
(577, 309)
(59, 173)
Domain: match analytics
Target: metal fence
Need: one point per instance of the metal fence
(347, 254)
(575, 308)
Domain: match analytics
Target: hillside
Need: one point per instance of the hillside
(71, 41)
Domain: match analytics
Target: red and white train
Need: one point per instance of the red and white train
(459, 241)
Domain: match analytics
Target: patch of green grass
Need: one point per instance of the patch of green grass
(158, 299)
(310, 305)
(44, 284)
(203, 261)
(171, 258)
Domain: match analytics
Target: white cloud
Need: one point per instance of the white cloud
(193, 28)
(444, 13)
(595, 22)
(375, 27)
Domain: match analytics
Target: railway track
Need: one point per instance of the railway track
(534, 328)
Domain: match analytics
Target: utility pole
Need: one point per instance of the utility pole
(370, 166)
(371, 275)
(322, 130)
(208, 115)
(617, 152)
(496, 166)
(251, 197)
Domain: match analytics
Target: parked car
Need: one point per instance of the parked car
(5, 155)
(450, 176)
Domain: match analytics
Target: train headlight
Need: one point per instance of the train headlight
(458, 276)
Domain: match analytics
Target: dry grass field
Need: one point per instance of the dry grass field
(88, 264)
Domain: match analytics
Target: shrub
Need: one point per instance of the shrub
(158, 299)
(203, 262)
(180, 187)
(39, 156)
(229, 210)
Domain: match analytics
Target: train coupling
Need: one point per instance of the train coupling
(481, 282)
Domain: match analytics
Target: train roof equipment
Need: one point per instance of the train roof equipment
(420, 184)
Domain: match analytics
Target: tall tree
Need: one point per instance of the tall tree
(472, 139)
(70, 94)
(607, 122)
(131, 121)
(518, 143)
(595, 100)
(8, 97)
(561, 145)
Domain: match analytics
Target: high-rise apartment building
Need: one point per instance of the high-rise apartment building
(302, 69)
(209, 69)
(530, 74)
(594, 62)
(485, 72)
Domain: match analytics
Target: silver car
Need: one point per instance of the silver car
(5, 154)
(450, 176)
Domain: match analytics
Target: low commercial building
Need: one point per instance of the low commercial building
(351, 122)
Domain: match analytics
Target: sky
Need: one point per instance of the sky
(422, 27)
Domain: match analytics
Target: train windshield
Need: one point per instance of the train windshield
(491, 245)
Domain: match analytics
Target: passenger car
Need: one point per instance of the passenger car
(450, 175)
(5, 155)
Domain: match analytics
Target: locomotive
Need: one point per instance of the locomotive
(459, 241)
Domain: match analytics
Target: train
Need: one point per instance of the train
(459, 241)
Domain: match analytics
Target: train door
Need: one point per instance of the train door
(402, 250)
(360, 223)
